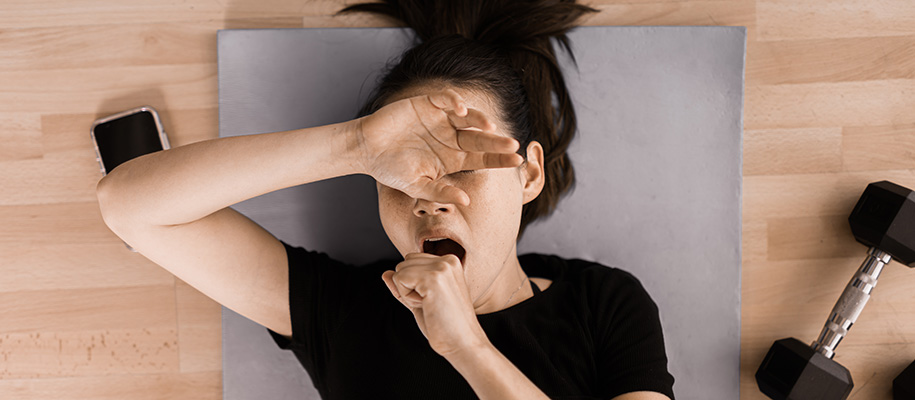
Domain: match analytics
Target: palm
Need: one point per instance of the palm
(411, 143)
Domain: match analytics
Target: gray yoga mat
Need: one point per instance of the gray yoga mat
(658, 161)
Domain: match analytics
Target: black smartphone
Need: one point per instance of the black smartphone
(126, 135)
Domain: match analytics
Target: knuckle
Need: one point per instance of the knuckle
(450, 261)
(441, 267)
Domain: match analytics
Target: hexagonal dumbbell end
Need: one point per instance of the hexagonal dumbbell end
(794, 371)
(904, 384)
(884, 218)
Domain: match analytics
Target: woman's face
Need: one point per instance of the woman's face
(487, 228)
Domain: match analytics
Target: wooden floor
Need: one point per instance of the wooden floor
(830, 107)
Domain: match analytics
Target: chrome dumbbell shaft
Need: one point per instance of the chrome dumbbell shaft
(850, 304)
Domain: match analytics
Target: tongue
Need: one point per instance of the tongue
(444, 246)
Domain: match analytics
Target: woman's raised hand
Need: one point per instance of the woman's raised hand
(411, 143)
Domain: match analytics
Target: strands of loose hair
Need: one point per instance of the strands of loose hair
(501, 47)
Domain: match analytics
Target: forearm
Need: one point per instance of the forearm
(189, 182)
(493, 376)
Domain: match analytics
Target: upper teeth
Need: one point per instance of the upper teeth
(435, 239)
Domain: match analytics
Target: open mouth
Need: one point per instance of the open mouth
(441, 247)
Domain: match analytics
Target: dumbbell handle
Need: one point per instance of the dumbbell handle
(853, 299)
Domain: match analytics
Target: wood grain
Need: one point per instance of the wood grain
(148, 386)
(818, 104)
(792, 151)
(832, 19)
(831, 60)
(829, 107)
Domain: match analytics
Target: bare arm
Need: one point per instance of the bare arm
(189, 182)
(172, 207)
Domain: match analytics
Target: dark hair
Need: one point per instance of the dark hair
(498, 47)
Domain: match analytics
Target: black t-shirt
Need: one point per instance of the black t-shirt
(593, 333)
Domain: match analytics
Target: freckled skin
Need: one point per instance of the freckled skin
(487, 227)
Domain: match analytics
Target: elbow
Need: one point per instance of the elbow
(106, 203)
(102, 194)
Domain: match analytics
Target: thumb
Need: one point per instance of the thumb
(388, 278)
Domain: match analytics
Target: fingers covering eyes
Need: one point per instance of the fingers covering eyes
(485, 142)
(474, 119)
(449, 100)
(438, 191)
(491, 160)
(474, 131)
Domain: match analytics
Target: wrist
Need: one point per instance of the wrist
(349, 146)
(471, 354)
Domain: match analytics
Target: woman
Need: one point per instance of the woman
(467, 149)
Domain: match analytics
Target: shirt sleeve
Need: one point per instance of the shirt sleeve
(629, 342)
(320, 298)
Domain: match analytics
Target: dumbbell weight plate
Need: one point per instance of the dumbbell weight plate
(794, 371)
(904, 384)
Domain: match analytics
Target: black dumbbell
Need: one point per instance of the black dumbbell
(904, 384)
(884, 220)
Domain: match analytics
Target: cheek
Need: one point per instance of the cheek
(497, 209)
(393, 210)
(501, 197)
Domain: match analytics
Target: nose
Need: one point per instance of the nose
(426, 207)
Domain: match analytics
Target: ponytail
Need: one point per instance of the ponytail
(500, 47)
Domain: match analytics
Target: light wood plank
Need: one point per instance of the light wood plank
(51, 224)
(791, 19)
(172, 386)
(879, 102)
(44, 13)
(102, 264)
(67, 137)
(792, 151)
(74, 310)
(692, 13)
(873, 148)
(52, 13)
(272, 8)
(789, 196)
(264, 23)
(20, 134)
(88, 90)
(40, 181)
(831, 60)
(754, 238)
(810, 238)
(49, 333)
(100, 46)
(88, 352)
